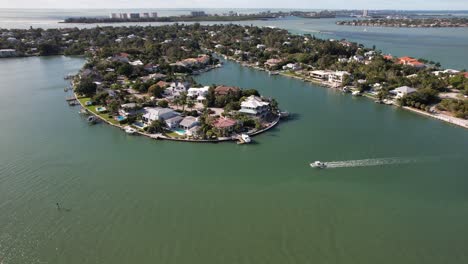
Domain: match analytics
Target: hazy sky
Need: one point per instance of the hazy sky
(312, 4)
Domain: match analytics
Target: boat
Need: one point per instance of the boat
(83, 111)
(318, 164)
(130, 130)
(273, 73)
(356, 93)
(345, 89)
(244, 139)
(92, 120)
(284, 114)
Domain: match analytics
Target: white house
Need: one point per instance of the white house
(292, 66)
(338, 76)
(175, 89)
(7, 53)
(320, 74)
(136, 63)
(357, 58)
(402, 91)
(188, 122)
(255, 106)
(261, 46)
(158, 113)
(173, 122)
(195, 92)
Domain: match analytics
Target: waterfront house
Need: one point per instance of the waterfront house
(320, 74)
(130, 109)
(158, 113)
(188, 122)
(292, 66)
(338, 76)
(271, 63)
(411, 62)
(254, 106)
(402, 91)
(225, 90)
(194, 131)
(173, 122)
(224, 126)
(7, 53)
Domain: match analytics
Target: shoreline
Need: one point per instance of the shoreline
(441, 117)
(163, 137)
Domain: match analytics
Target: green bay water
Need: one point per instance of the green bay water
(130, 199)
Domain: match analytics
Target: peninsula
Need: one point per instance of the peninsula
(433, 22)
(152, 67)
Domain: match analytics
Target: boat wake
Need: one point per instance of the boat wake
(375, 162)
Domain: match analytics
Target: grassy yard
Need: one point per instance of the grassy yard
(92, 109)
(174, 135)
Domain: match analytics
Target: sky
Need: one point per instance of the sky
(305, 4)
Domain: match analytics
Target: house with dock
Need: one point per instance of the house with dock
(255, 106)
(402, 91)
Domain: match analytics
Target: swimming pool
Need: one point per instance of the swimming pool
(120, 118)
(139, 125)
(180, 131)
(101, 109)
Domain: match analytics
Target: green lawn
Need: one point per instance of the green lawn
(92, 109)
(174, 135)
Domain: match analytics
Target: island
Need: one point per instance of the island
(194, 16)
(152, 67)
(409, 22)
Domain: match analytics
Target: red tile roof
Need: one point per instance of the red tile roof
(162, 84)
(224, 90)
(224, 122)
(465, 74)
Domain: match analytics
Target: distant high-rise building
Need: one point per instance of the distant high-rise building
(124, 15)
(365, 13)
(145, 15)
(154, 14)
(134, 15)
(114, 15)
(198, 13)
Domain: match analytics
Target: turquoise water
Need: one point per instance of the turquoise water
(137, 200)
(120, 118)
(180, 131)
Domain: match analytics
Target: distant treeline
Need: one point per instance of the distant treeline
(92, 20)
(408, 22)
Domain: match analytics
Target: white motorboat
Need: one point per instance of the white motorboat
(318, 164)
(245, 138)
(130, 130)
(356, 93)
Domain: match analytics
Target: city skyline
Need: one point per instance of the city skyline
(300, 4)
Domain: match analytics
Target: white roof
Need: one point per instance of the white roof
(405, 89)
(253, 102)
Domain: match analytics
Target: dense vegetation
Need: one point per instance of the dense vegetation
(164, 46)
